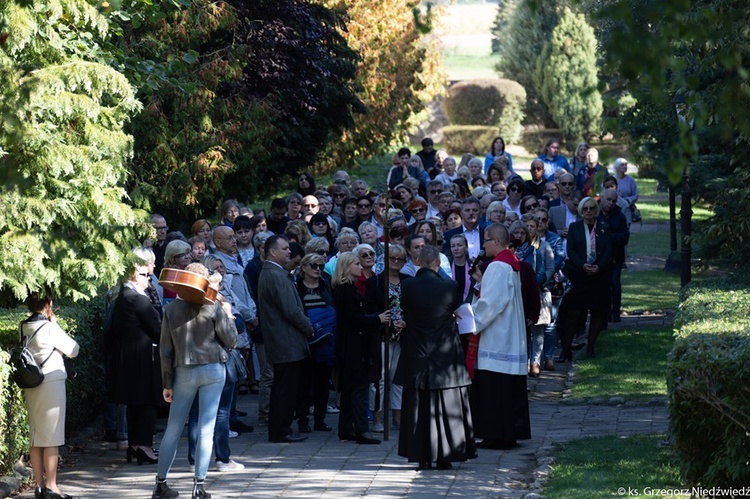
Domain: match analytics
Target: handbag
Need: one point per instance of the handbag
(26, 372)
(235, 365)
(545, 311)
(635, 213)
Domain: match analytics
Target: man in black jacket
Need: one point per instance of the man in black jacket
(436, 419)
(612, 216)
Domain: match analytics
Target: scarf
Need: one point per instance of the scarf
(505, 256)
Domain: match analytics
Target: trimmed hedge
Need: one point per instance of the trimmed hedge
(708, 379)
(487, 102)
(474, 139)
(85, 393)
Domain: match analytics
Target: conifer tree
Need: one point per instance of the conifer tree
(520, 39)
(64, 219)
(566, 77)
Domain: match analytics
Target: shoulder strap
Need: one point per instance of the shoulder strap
(26, 345)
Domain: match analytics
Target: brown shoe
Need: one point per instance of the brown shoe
(535, 370)
(549, 365)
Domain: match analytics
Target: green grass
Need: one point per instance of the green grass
(649, 290)
(655, 212)
(654, 243)
(599, 467)
(465, 67)
(630, 364)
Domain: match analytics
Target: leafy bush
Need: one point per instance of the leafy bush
(708, 379)
(487, 102)
(85, 393)
(460, 139)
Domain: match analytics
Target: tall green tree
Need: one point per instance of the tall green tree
(566, 77)
(527, 29)
(696, 50)
(65, 222)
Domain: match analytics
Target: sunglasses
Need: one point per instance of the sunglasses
(588, 208)
(545, 220)
(396, 259)
(514, 189)
(363, 205)
(435, 191)
(418, 210)
(316, 266)
(366, 254)
(532, 205)
(567, 183)
(322, 252)
(339, 195)
(143, 274)
(323, 222)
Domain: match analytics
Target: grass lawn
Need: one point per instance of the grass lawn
(655, 212)
(628, 364)
(602, 466)
(649, 290)
(466, 67)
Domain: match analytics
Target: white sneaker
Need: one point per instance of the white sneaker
(378, 428)
(230, 466)
(233, 434)
(332, 409)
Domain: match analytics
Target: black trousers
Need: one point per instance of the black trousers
(313, 391)
(284, 390)
(141, 422)
(353, 416)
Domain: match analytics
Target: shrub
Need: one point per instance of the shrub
(708, 379)
(460, 139)
(487, 102)
(85, 393)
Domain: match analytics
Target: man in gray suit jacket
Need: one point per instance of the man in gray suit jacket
(562, 216)
(285, 331)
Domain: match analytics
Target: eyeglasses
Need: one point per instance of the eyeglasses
(435, 191)
(418, 210)
(588, 208)
(316, 266)
(162, 228)
(545, 220)
(567, 183)
(538, 168)
(489, 240)
(143, 274)
(363, 205)
(366, 254)
(396, 259)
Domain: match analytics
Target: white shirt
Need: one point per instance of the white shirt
(472, 237)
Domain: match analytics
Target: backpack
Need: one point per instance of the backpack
(26, 372)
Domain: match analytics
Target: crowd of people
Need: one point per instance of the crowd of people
(337, 296)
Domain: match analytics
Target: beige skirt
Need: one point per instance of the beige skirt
(46, 406)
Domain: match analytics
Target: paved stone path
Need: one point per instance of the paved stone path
(325, 467)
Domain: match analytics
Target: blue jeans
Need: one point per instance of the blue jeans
(550, 332)
(206, 380)
(221, 430)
